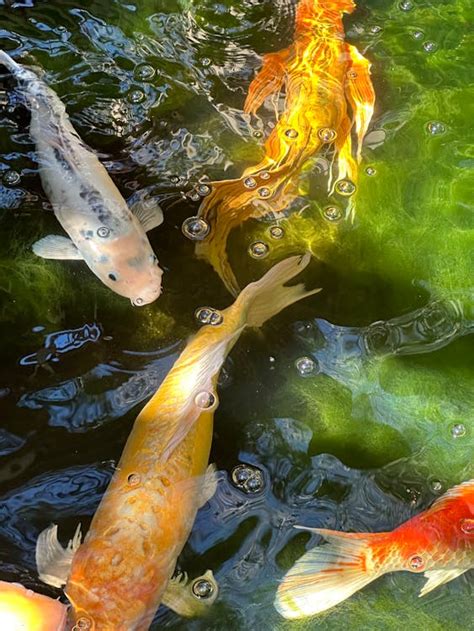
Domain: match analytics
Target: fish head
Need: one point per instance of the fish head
(129, 267)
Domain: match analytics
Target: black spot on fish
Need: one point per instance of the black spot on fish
(112, 276)
(61, 158)
(103, 259)
(87, 234)
(96, 202)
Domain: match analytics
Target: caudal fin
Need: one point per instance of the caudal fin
(266, 297)
(327, 574)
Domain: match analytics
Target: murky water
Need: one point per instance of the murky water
(354, 409)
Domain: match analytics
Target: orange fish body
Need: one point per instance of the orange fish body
(328, 93)
(120, 574)
(438, 543)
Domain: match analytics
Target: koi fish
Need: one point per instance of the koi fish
(23, 609)
(328, 94)
(438, 542)
(103, 231)
(117, 578)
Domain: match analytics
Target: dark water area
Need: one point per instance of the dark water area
(352, 410)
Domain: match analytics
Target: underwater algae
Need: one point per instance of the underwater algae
(410, 246)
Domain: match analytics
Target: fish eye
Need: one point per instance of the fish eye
(112, 276)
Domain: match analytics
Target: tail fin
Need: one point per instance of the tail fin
(268, 296)
(9, 63)
(328, 574)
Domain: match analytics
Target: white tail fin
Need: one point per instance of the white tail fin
(327, 574)
(268, 296)
(52, 560)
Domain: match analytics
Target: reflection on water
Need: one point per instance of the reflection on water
(62, 342)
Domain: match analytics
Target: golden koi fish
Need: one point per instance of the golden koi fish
(117, 578)
(103, 231)
(328, 94)
(438, 542)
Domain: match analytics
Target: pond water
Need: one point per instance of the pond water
(354, 409)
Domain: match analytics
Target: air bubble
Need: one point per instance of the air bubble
(276, 232)
(406, 5)
(136, 96)
(205, 62)
(467, 525)
(103, 232)
(250, 182)
(145, 72)
(133, 479)
(435, 128)
(205, 400)
(258, 250)
(202, 588)
(370, 171)
(345, 187)
(84, 623)
(11, 178)
(193, 196)
(195, 228)
(416, 563)
(208, 315)
(174, 179)
(352, 74)
(204, 189)
(265, 175)
(257, 134)
(375, 29)
(326, 134)
(458, 430)
(306, 366)
(430, 47)
(436, 486)
(291, 133)
(332, 213)
(264, 192)
(417, 34)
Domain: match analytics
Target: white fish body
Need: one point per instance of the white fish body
(102, 229)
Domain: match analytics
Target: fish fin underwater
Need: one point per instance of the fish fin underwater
(54, 562)
(439, 577)
(182, 597)
(209, 487)
(57, 247)
(148, 212)
(327, 574)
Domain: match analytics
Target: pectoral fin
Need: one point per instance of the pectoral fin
(439, 577)
(209, 486)
(56, 247)
(52, 560)
(181, 598)
(148, 213)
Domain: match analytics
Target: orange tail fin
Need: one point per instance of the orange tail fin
(328, 574)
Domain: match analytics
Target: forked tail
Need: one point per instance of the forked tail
(328, 574)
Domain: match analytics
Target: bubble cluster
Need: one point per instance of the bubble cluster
(458, 430)
(345, 188)
(195, 228)
(258, 250)
(11, 178)
(208, 315)
(205, 400)
(435, 128)
(276, 232)
(247, 478)
(332, 213)
(306, 366)
(326, 134)
(202, 588)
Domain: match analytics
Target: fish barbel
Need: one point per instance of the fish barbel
(22, 609)
(328, 94)
(103, 231)
(117, 578)
(439, 543)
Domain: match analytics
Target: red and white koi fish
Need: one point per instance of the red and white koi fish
(103, 231)
(439, 542)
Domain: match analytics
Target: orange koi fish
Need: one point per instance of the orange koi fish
(117, 578)
(23, 610)
(328, 94)
(438, 542)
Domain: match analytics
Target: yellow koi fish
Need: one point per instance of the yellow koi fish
(117, 578)
(329, 94)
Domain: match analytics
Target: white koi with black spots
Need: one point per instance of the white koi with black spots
(102, 230)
